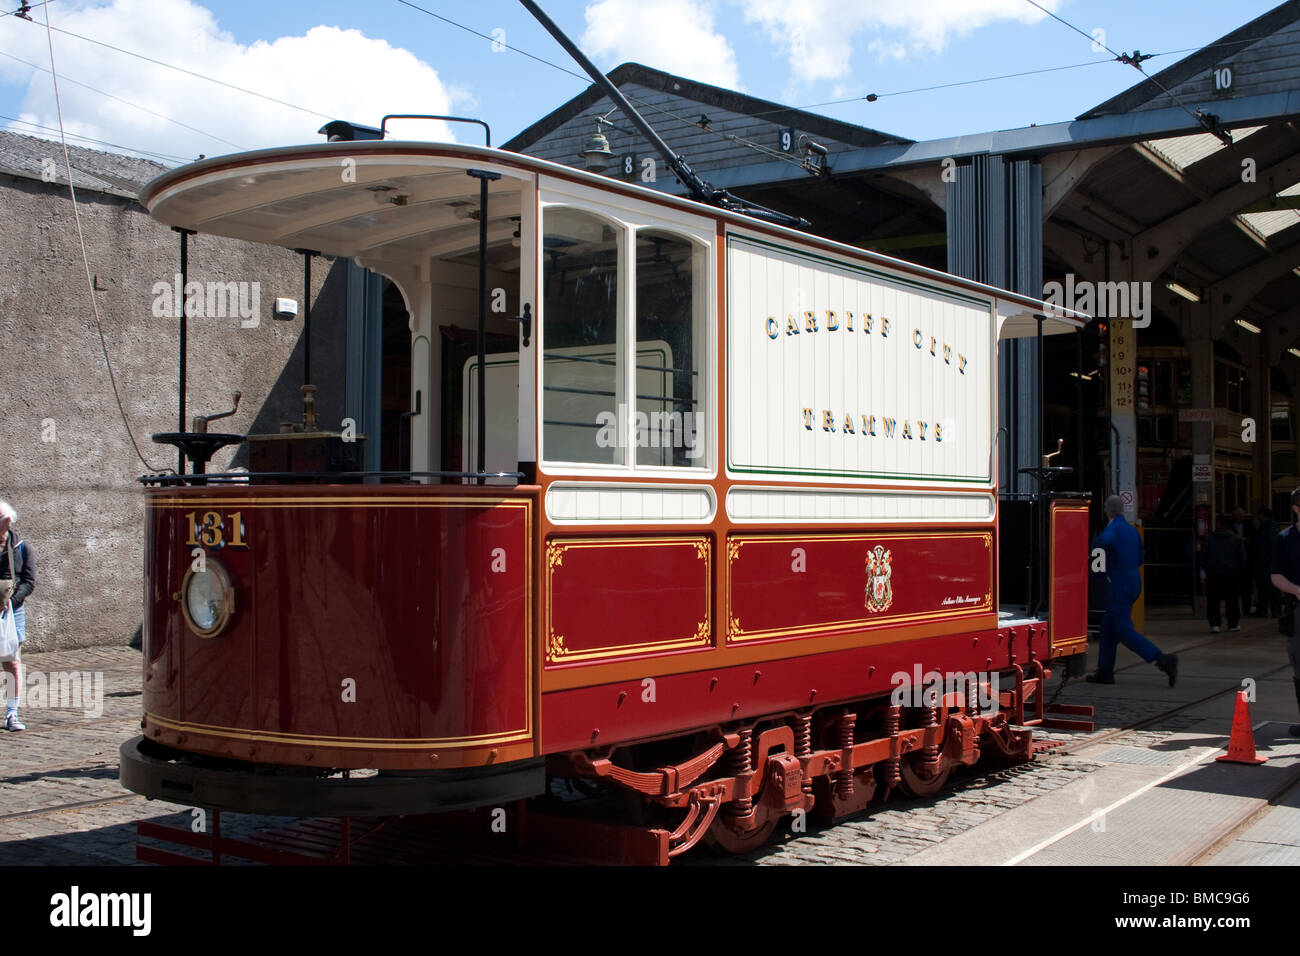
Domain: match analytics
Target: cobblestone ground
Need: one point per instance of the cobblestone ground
(893, 832)
(60, 802)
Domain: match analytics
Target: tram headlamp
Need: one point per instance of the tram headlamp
(207, 599)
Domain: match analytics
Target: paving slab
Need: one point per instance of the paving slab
(1273, 840)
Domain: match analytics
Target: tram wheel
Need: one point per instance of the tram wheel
(724, 837)
(913, 784)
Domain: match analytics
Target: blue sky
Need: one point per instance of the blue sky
(360, 60)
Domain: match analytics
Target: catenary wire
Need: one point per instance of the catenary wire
(10, 13)
(989, 79)
(587, 80)
(783, 109)
(584, 79)
(111, 96)
(1087, 36)
(145, 153)
(181, 69)
(85, 259)
(1134, 61)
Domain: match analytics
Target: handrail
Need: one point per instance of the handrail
(487, 130)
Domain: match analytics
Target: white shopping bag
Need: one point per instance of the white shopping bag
(8, 636)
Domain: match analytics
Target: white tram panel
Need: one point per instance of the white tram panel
(854, 373)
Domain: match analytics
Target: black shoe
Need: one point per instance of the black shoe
(1169, 664)
(1294, 730)
(1101, 677)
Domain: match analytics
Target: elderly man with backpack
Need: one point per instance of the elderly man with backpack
(17, 579)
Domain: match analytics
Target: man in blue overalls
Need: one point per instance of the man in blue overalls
(1123, 558)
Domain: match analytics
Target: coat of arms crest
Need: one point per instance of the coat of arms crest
(880, 592)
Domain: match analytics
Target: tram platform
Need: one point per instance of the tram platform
(1159, 796)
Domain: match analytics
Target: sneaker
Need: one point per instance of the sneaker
(1215, 629)
(13, 723)
(1169, 664)
(1101, 677)
(1235, 627)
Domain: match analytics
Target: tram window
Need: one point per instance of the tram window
(669, 426)
(1283, 424)
(582, 272)
(1162, 383)
(1231, 388)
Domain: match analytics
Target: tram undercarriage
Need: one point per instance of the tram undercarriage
(728, 787)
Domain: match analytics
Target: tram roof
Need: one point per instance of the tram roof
(399, 202)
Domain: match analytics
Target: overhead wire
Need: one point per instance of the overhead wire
(85, 258)
(1087, 36)
(26, 8)
(869, 97)
(872, 97)
(495, 40)
(1135, 61)
(776, 154)
(145, 153)
(111, 96)
(181, 69)
(587, 80)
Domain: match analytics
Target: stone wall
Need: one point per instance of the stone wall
(66, 460)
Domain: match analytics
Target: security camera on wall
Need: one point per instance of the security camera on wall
(286, 309)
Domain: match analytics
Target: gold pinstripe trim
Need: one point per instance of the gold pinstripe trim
(359, 502)
(557, 653)
(736, 633)
(378, 743)
(1052, 641)
(352, 743)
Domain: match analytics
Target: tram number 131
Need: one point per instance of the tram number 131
(211, 531)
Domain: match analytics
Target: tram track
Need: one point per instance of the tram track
(1203, 851)
(1208, 845)
(65, 807)
(1073, 748)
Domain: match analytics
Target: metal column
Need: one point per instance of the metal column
(995, 235)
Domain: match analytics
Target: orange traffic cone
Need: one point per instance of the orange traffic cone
(1241, 745)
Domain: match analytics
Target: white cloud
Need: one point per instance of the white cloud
(818, 35)
(340, 73)
(672, 35)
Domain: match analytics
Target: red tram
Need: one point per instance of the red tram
(735, 507)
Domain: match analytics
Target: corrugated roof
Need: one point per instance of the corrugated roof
(29, 157)
(1273, 221)
(1184, 151)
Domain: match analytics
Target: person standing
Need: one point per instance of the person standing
(17, 579)
(1261, 557)
(1123, 548)
(1244, 528)
(1224, 556)
(1286, 578)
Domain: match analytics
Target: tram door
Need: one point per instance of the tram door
(455, 277)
